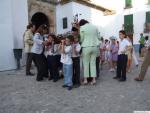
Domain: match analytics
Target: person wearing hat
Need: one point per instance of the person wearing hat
(113, 53)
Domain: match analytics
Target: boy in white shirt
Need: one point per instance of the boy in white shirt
(66, 53)
(122, 57)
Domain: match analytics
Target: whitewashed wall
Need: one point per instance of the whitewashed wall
(13, 20)
(108, 25)
(61, 12)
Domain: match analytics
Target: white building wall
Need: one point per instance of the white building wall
(61, 12)
(110, 25)
(13, 20)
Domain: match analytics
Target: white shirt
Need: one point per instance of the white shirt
(76, 50)
(53, 52)
(37, 44)
(123, 46)
(66, 57)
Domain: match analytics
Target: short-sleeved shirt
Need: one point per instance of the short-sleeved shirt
(142, 40)
(123, 46)
(66, 57)
(76, 47)
(37, 44)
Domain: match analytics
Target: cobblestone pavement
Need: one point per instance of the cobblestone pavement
(22, 94)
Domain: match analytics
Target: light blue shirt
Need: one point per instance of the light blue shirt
(37, 44)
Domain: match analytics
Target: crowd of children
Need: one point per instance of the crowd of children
(56, 54)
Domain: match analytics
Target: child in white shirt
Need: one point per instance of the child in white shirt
(66, 53)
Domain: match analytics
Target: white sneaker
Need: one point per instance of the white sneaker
(112, 70)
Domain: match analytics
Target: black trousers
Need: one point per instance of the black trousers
(53, 66)
(76, 71)
(121, 66)
(97, 66)
(30, 58)
(140, 48)
(42, 68)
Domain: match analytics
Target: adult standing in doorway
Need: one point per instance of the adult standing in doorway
(89, 36)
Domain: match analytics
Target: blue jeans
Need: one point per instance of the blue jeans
(68, 72)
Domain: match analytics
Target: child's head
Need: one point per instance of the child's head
(76, 39)
(122, 34)
(113, 39)
(68, 39)
(51, 38)
(106, 41)
(45, 29)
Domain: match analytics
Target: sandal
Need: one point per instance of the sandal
(138, 79)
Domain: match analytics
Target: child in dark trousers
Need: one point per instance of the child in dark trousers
(53, 61)
(122, 57)
(76, 62)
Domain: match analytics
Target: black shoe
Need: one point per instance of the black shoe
(46, 76)
(61, 77)
(55, 80)
(39, 80)
(70, 88)
(76, 86)
(64, 86)
(29, 74)
(116, 78)
(50, 78)
(122, 80)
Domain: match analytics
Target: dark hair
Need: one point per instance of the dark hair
(146, 37)
(106, 40)
(29, 26)
(39, 26)
(83, 22)
(53, 37)
(123, 32)
(70, 37)
(74, 29)
(141, 34)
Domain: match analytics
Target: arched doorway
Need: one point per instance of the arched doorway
(40, 18)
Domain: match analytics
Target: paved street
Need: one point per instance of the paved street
(22, 94)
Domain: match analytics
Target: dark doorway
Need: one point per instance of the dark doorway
(39, 19)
